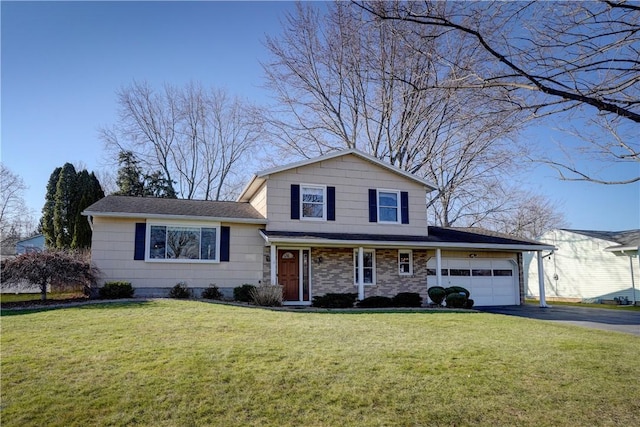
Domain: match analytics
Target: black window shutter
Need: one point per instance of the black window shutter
(225, 240)
(141, 235)
(404, 207)
(373, 205)
(331, 203)
(295, 201)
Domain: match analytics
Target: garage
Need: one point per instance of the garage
(490, 281)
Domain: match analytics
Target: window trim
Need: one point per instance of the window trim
(324, 202)
(398, 203)
(373, 266)
(200, 225)
(405, 251)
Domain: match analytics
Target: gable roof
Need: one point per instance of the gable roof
(621, 237)
(626, 239)
(438, 237)
(260, 177)
(150, 207)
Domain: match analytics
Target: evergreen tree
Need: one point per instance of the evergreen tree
(46, 222)
(130, 180)
(133, 182)
(68, 194)
(64, 209)
(90, 191)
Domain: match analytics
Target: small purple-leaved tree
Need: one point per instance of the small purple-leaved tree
(59, 269)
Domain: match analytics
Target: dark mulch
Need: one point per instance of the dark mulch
(40, 303)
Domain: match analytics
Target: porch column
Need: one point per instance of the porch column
(633, 282)
(273, 256)
(438, 267)
(543, 299)
(360, 273)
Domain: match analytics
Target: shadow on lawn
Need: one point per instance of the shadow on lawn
(84, 305)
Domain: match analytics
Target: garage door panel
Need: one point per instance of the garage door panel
(490, 281)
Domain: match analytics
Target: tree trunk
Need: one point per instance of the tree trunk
(43, 291)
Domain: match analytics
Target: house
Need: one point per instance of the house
(588, 265)
(31, 244)
(342, 222)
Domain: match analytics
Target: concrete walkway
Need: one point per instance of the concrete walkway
(598, 318)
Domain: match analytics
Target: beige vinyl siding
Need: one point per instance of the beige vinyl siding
(113, 249)
(352, 177)
(259, 200)
(584, 269)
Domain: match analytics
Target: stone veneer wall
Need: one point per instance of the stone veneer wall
(335, 273)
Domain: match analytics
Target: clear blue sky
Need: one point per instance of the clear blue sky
(62, 63)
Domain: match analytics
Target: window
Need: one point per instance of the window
(313, 202)
(502, 273)
(369, 266)
(183, 243)
(481, 272)
(432, 272)
(388, 206)
(405, 262)
(459, 272)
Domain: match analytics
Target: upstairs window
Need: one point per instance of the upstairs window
(388, 206)
(312, 202)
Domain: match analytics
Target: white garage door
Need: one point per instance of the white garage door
(490, 281)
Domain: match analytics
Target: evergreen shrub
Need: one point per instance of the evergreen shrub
(335, 300)
(115, 290)
(407, 299)
(212, 292)
(375, 302)
(243, 293)
(180, 291)
(437, 294)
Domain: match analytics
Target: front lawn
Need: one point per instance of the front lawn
(175, 363)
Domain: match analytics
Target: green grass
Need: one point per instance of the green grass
(588, 305)
(180, 363)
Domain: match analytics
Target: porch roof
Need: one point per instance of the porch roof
(438, 237)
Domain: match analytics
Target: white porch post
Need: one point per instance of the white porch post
(438, 267)
(274, 262)
(360, 273)
(543, 299)
(633, 282)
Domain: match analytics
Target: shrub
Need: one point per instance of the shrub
(469, 303)
(114, 290)
(407, 299)
(375, 302)
(180, 290)
(437, 294)
(59, 269)
(456, 300)
(212, 292)
(243, 293)
(457, 290)
(335, 300)
(267, 295)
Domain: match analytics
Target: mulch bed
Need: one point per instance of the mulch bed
(40, 303)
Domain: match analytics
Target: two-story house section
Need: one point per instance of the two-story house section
(342, 222)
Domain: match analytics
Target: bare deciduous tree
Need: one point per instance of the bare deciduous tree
(16, 220)
(550, 57)
(344, 81)
(195, 137)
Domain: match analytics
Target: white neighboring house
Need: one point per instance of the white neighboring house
(587, 265)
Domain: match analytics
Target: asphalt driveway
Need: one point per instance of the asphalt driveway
(598, 318)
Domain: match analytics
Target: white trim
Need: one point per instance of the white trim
(398, 212)
(199, 225)
(410, 252)
(324, 202)
(163, 217)
(300, 275)
(400, 244)
(357, 253)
